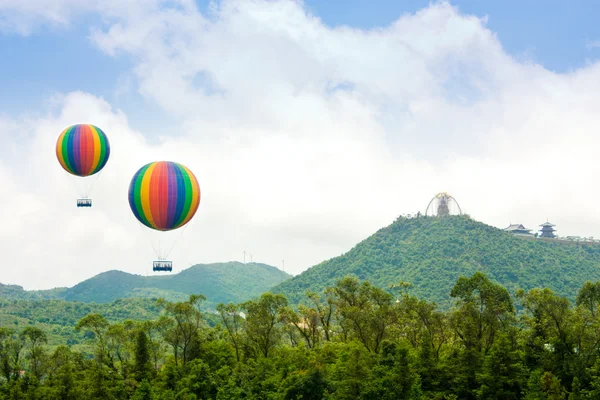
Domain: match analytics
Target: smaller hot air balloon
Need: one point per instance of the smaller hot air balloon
(164, 196)
(83, 150)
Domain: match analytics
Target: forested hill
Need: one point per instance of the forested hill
(432, 253)
(219, 282)
(16, 292)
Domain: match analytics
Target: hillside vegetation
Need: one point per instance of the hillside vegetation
(355, 342)
(59, 317)
(219, 282)
(432, 253)
(16, 292)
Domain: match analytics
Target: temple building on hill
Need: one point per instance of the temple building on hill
(547, 230)
(518, 229)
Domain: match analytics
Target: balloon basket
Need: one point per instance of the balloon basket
(162, 266)
(84, 202)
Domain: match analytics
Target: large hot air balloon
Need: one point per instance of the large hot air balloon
(164, 196)
(83, 150)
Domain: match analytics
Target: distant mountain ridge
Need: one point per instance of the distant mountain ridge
(16, 292)
(219, 282)
(431, 253)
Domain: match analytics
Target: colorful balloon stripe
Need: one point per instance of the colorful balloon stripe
(164, 195)
(82, 149)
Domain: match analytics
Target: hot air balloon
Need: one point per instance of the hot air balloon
(83, 150)
(164, 196)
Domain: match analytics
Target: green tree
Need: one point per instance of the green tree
(576, 393)
(325, 310)
(589, 297)
(8, 348)
(306, 322)
(483, 310)
(66, 370)
(234, 324)
(156, 330)
(98, 325)
(144, 391)
(262, 320)
(187, 320)
(35, 338)
(142, 366)
(555, 317)
(503, 376)
(365, 310)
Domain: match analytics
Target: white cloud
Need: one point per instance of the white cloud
(592, 44)
(25, 17)
(305, 139)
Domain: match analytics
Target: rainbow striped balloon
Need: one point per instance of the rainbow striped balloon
(164, 195)
(82, 149)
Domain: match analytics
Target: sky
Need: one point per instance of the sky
(309, 124)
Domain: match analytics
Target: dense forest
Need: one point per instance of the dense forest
(58, 318)
(353, 341)
(432, 253)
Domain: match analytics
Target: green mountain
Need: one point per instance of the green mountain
(219, 282)
(17, 292)
(120, 296)
(432, 253)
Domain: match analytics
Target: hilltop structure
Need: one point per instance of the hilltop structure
(518, 229)
(443, 205)
(546, 233)
(448, 247)
(547, 230)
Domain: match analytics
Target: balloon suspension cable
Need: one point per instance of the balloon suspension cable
(148, 236)
(155, 243)
(83, 181)
(73, 182)
(92, 183)
(178, 238)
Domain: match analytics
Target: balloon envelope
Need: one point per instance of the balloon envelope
(164, 195)
(82, 149)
